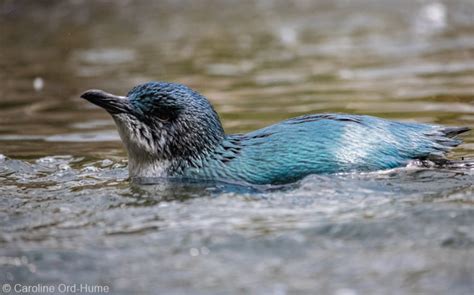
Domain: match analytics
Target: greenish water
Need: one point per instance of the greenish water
(69, 215)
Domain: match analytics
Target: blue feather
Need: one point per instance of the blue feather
(323, 144)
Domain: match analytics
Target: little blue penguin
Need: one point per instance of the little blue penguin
(172, 131)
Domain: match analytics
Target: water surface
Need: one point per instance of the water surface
(69, 215)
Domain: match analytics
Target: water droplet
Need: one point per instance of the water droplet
(288, 35)
(38, 84)
(431, 18)
(194, 252)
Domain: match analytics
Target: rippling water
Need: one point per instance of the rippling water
(69, 215)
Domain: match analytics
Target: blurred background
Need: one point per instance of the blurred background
(257, 61)
(68, 215)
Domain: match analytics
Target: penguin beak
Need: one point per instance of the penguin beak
(111, 103)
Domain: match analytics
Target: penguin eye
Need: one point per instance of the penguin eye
(165, 114)
(163, 117)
